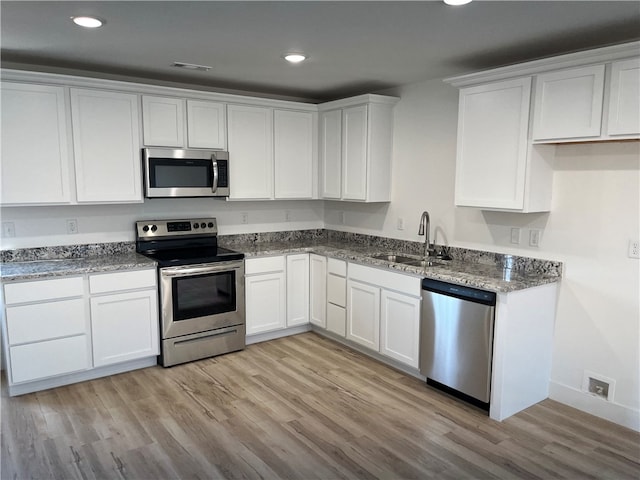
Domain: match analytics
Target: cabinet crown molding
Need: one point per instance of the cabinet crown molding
(586, 57)
(358, 100)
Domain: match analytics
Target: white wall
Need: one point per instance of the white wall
(46, 226)
(595, 212)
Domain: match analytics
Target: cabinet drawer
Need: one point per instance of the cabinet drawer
(111, 282)
(336, 319)
(46, 359)
(399, 282)
(337, 290)
(42, 321)
(43, 290)
(264, 265)
(337, 267)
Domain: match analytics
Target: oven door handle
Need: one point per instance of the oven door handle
(186, 271)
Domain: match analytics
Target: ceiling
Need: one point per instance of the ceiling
(353, 47)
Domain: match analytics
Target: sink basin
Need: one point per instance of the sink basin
(390, 257)
(425, 263)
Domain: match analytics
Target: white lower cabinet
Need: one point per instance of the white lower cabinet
(297, 289)
(337, 296)
(318, 290)
(400, 327)
(56, 331)
(265, 294)
(363, 314)
(124, 327)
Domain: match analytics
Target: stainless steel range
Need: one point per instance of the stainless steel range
(201, 286)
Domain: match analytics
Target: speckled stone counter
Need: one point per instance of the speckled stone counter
(481, 270)
(58, 267)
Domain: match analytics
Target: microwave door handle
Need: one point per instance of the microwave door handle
(214, 167)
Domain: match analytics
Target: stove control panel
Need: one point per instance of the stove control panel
(164, 228)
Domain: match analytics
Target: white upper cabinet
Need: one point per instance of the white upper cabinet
(568, 103)
(294, 154)
(250, 152)
(356, 137)
(35, 145)
(106, 141)
(331, 154)
(496, 168)
(206, 125)
(163, 121)
(624, 98)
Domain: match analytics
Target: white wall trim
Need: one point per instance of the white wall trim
(614, 412)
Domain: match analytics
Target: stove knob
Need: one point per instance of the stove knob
(203, 225)
(154, 228)
(196, 225)
(210, 225)
(145, 228)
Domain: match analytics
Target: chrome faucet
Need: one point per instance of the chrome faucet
(425, 226)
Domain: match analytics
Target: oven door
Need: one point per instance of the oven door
(198, 298)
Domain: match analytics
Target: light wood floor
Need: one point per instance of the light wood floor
(300, 407)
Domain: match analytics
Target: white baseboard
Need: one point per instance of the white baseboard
(614, 412)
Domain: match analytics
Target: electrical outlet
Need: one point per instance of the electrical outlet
(400, 223)
(515, 236)
(634, 249)
(341, 217)
(598, 385)
(287, 215)
(8, 229)
(244, 218)
(534, 237)
(72, 226)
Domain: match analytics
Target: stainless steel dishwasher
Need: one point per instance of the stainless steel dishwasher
(456, 341)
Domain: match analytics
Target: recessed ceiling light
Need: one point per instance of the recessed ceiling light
(88, 22)
(456, 2)
(295, 57)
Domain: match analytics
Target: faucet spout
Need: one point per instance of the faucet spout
(425, 226)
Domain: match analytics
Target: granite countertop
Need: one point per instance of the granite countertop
(480, 275)
(47, 268)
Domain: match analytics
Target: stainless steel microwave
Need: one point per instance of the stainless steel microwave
(170, 172)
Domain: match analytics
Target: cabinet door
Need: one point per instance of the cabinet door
(293, 146)
(250, 152)
(265, 302)
(354, 153)
(568, 103)
(363, 314)
(318, 290)
(206, 125)
(400, 327)
(336, 319)
(297, 289)
(124, 327)
(163, 121)
(106, 141)
(35, 145)
(624, 101)
(492, 145)
(331, 153)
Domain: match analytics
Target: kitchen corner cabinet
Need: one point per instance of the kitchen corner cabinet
(164, 125)
(265, 294)
(36, 145)
(355, 148)
(124, 302)
(624, 98)
(318, 290)
(297, 289)
(294, 154)
(496, 166)
(250, 131)
(106, 144)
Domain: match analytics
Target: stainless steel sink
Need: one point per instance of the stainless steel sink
(425, 263)
(390, 257)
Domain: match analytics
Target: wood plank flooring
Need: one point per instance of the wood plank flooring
(301, 407)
